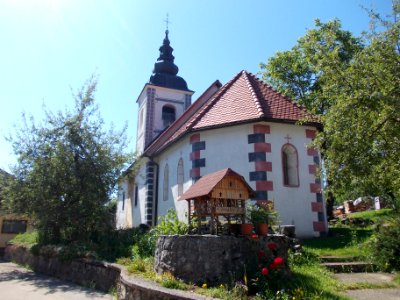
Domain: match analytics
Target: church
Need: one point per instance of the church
(244, 125)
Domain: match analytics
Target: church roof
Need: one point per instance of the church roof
(165, 70)
(243, 99)
(207, 183)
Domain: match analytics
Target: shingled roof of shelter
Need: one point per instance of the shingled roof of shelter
(243, 99)
(207, 183)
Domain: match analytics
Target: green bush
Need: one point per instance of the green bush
(26, 239)
(112, 244)
(138, 265)
(170, 225)
(170, 282)
(145, 246)
(386, 245)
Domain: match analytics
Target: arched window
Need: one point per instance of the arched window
(166, 183)
(168, 115)
(141, 116)
(290, 165)
(180, 177)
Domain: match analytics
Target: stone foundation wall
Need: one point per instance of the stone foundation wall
(215, 259)
(104, 276)
(199, 259)
(100, 275)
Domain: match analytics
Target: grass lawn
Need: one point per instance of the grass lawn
(309, 280)
(373, 215)
(349, 240)
(342, 241)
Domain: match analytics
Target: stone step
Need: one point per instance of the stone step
(332, 258)
(349, 267)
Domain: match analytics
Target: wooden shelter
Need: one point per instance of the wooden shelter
(220, 194)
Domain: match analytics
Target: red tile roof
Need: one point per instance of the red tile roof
(243, 99)
(206, 184)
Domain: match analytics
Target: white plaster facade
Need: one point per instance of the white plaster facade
(150, 111)
(229, 147)
(243, 125)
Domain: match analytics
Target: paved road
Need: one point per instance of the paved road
(17, 283)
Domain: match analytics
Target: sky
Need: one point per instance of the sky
(50, 48)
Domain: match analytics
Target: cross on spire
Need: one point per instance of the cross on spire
(167, 21)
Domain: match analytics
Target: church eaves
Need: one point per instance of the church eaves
(243, 99)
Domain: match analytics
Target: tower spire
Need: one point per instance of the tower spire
(165, 71)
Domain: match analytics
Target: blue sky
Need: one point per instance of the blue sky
(49, 47)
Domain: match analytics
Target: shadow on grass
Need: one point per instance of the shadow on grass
(314, 287)
(339, 238)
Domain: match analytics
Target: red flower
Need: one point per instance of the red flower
(261, 254)
(264, 271)
(254, 236)
(278, 261)
(272, 246)
(273, 266)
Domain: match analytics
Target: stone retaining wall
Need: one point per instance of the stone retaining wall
(215, 259)
(199, 259)
(104, 276)
(100, 275)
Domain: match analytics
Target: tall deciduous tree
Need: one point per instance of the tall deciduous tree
(300, 73)
(355, 87)
(361, 138)
(67, 170)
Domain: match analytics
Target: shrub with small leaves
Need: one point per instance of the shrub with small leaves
(386, 245)
(170, 225)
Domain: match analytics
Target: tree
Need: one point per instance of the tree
(356, 88)
(67, 170)
(300, 73)
(5, 179)
(361, 138)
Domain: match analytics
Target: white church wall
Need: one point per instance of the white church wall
(164, 97)
(229, 147)
(141, 123)
(171, 157)
(293, 203)
(139, 209)
(128, 214)
(121, 221)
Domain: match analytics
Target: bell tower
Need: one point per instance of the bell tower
(163, 99)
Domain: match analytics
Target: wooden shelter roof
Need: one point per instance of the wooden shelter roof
(207, 183)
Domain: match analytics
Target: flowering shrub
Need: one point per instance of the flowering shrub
(268, 279)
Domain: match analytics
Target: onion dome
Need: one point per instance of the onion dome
(164, 72)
